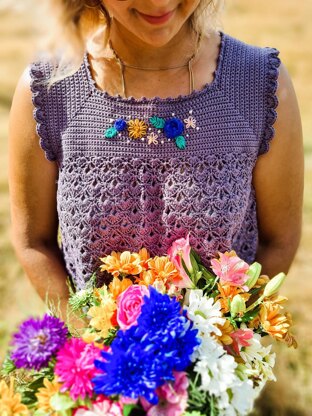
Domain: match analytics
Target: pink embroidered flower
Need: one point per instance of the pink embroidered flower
(230, 269)
(75, 367)
(181, 248)
(240, 339)
(101, 407)
(129, 305)
(172, 398)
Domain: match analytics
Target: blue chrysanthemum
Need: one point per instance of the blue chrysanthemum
(37, 341)
(120, 124)
(173, 127)
(144, 357)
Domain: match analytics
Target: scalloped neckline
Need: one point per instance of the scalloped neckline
(207, 87)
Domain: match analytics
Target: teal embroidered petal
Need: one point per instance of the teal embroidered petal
(157, 122)
(180, 142)
(110, 132)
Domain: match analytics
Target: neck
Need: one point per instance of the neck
(133, 51)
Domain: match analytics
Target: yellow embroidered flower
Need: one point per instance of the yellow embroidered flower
(10, 402)
(137, 128)
(102, 316)
(45, 394)
(124, 263)
(117, 286)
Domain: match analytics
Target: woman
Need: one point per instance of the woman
(119, 171)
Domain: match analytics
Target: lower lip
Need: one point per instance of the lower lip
(156, 20)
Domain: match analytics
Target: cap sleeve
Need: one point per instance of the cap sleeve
(39, 74)
(271, 101)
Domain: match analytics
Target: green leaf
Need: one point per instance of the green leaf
(157, 122)
(127, 409)
(61, 402)
(8, 366)
(110, 133)
(180, 142)
(249, 316)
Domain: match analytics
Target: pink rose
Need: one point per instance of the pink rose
(179, 250)
(129, 305)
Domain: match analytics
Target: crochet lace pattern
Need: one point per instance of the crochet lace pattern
(120, 194)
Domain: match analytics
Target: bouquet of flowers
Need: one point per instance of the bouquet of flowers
(166, 337)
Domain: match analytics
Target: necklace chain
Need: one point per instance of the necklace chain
(188, 64)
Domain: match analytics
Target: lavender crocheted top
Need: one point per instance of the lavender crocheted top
(142, 173)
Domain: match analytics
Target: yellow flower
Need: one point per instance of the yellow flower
(10, 402)
(92, 338)
(137, 128)
(125, 263)
(226, 330)
(45, 394)
(117, 286)
(102, 316)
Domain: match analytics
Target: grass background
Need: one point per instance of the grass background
(284, 24)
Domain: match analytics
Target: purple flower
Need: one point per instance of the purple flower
(37, 341)
(173, 127)
(120, 124)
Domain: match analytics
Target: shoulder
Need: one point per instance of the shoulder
(251, 57)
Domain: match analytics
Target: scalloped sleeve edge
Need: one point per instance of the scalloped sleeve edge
(271, 100)
(38, 88)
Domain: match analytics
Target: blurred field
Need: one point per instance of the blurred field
(284, 24)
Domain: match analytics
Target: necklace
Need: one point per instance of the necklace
(188, 64)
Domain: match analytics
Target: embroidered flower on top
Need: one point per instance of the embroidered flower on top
(190, 122)
(137, 128)
(171, 128)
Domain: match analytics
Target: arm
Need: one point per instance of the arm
(278, 182)
(32, 181)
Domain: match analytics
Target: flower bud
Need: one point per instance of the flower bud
(253, 273)
(238, 306)
(274, 284)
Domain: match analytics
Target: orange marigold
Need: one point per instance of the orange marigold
(45, 394)
(227, 293)
(10, 402)
(124, 263)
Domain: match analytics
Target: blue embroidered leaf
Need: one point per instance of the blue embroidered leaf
(180, 142)
(110, 132)
(157, 122)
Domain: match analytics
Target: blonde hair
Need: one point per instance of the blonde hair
(74, 21)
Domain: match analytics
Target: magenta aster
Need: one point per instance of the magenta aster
(75, 367)
(37, 341)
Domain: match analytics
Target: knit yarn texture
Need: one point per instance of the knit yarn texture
(121, 193)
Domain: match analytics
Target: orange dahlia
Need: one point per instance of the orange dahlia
(10, 402)
(161, 268)
(124, 263)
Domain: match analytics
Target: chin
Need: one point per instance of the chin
(158, 38)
